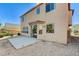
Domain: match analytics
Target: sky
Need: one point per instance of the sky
(75, 17)
(10, 13)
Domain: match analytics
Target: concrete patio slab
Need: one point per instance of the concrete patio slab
(22, 41)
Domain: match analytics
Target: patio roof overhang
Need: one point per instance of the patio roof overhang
(37, 22)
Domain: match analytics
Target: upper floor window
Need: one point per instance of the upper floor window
(37, 10)
(49, 7)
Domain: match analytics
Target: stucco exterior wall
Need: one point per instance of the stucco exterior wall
(59, 17)
(70, 18)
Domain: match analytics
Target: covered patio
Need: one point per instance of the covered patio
(34, 25)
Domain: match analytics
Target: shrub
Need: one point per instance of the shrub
(1, 36)
(76, 32)
(18, 34)
(10, 34)
(5, 33)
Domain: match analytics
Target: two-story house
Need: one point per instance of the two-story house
(48, 21)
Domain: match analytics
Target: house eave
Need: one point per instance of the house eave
(31, 9)
(70, 9)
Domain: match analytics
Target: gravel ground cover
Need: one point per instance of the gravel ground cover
(40, 49)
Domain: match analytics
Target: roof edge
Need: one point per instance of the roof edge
(32, 9)
(41, 4)
(70, 9)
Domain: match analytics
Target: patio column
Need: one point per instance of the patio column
(29, 33)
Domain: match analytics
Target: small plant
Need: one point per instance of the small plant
(11, 34)
(76, 32)
(34, 29)
(18, 34)
(1, 36)
(4, 32)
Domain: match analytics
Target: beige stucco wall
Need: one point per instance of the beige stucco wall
(59, 17)
(70, 18)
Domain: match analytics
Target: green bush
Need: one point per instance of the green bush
(34, 29)
(76, 33)
(1, 35)
(5, 33)
(18, 34)
(11, 34)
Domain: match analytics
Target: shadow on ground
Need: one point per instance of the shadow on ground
(74, 39)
